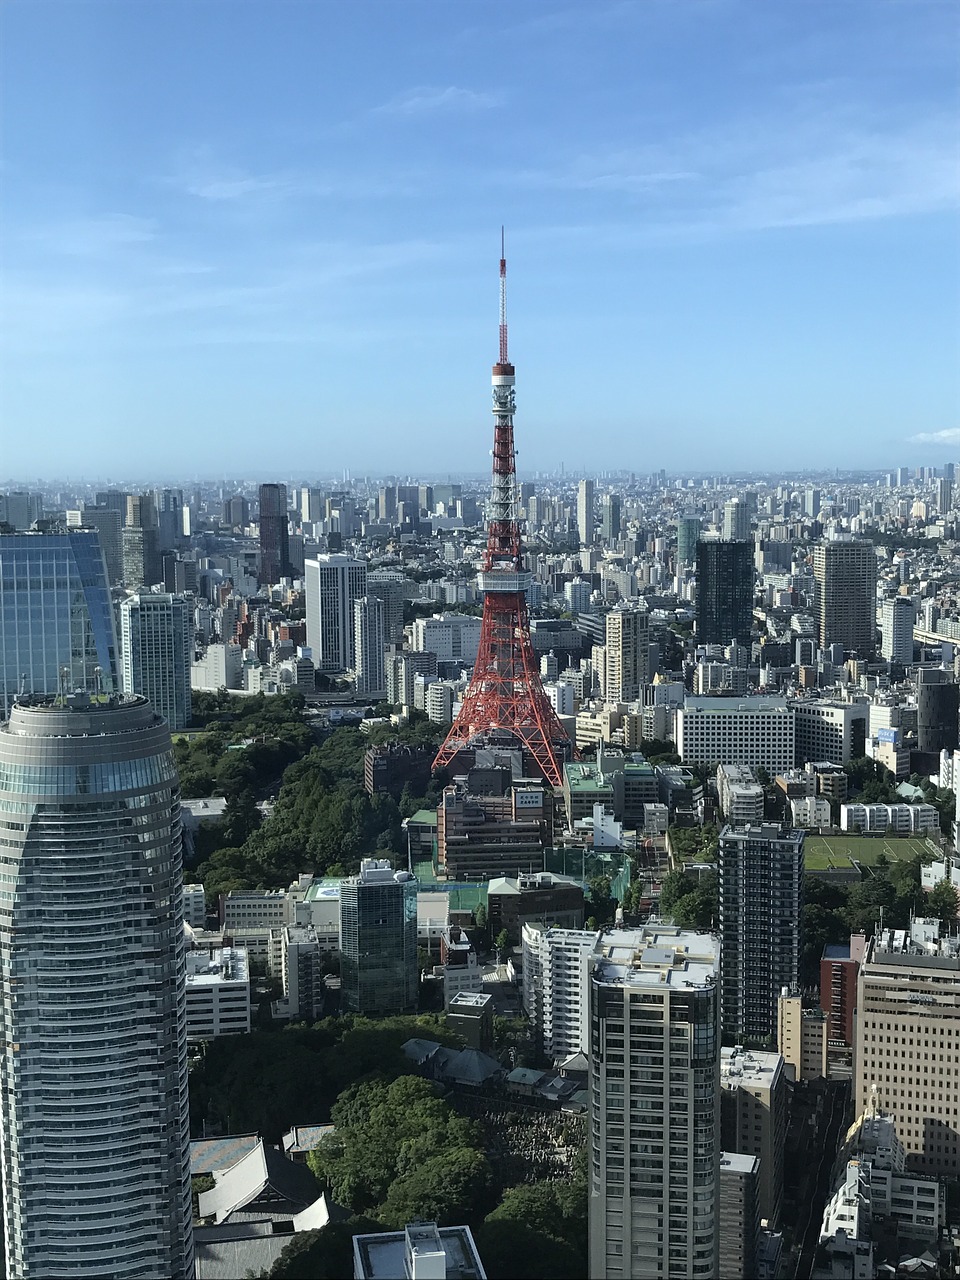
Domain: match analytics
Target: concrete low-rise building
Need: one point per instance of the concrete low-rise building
(218, 993)
(740, 795)
(898, 819)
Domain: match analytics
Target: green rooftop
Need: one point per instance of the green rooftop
(425, 817)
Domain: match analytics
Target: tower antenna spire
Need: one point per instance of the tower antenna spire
(504, 358)
(505, 702)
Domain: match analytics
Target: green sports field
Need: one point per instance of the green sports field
(823, 852)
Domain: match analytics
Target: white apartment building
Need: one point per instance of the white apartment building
(156, 653)
(907, 1041)
(835, 731)
(933, 872)
(331, 584)
(218, 993)
(898, 618)
(296, 953)
(369, 646)
(453, 637)
(752, 731)
(625, 654)
(740, 795)
(810, 812)
(654, 1133)
(898, 819)
(438, 698)
(220, 667)
(555, 981)
(562, 696)
(194, 906)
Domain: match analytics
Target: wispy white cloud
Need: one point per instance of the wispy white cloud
(427, 99)
(202, 175)
(89, 237)
(949, 436)
(802, 167)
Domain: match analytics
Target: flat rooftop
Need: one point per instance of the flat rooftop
(657, 955)
(209, 968)
(748, 1067)
(383, 1256)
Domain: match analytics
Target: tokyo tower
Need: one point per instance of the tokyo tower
(505, 699)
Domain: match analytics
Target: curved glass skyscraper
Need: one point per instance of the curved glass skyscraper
(55, 612)
(94, 1119)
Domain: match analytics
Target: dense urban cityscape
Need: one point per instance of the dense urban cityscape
(694, 944)
(425, 864)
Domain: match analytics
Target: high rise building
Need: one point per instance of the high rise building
(55, 613)
(944, 495)
(654, 1128)
(378, 941)
(753, 1118)
(811, 503)
(235, 513)
(108, 523)
(156, 649)
(738, 1216)
(577, 593)
(938, 710)
(899, 615)
(626, 654)
(845, 591)
(725, 576)
(274, 534)
(94, 1117)
(761, 901)
(20, 509)
(586, 512)
(388, 586)
(907, 1038)
(610, 517)
(332, 583)
(368, 646)
(170, 509)
(140, 542)
(555, 986)
(688, 532)
(736, 520)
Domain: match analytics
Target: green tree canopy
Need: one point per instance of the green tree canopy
(385, 1134)
(942, 902)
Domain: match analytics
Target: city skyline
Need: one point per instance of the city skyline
(224, 233)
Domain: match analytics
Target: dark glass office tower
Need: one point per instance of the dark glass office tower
(55, 613)
(724, 591)
(378, 941)
(274, 534)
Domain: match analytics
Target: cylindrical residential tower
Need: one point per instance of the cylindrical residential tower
(94, 1117)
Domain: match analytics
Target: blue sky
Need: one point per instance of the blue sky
(260, 237)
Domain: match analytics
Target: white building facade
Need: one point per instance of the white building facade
(156, 648)
(332, 583)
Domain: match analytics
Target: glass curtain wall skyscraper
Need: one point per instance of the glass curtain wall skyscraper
(724, 591)
(55, 613)
(378, 941)
(274, 534)
(94, 1116)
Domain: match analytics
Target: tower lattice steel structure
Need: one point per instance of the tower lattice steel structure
(505, 698)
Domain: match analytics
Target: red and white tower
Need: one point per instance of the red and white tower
(505, 699)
